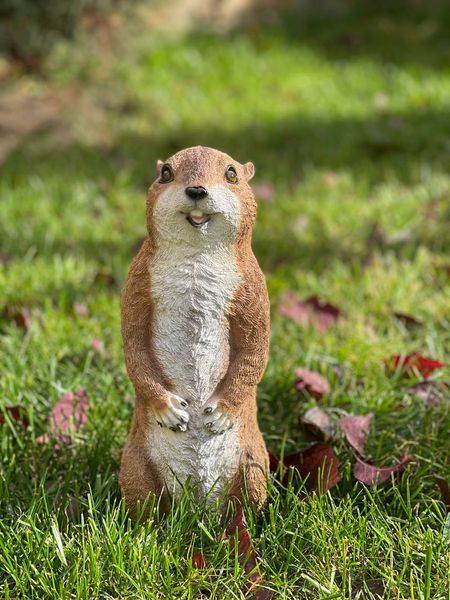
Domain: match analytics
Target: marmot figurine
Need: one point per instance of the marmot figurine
(195, 328)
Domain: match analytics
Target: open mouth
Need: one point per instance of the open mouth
(197, 218)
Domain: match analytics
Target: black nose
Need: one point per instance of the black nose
(196, 193)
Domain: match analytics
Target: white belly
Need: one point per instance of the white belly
(207, 461)
(191, 297)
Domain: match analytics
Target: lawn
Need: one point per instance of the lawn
(347, 116)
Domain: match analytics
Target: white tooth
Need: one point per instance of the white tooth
(196, 213)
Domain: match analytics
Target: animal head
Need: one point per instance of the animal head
(201, 197)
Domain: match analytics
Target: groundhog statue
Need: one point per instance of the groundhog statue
(195, 328)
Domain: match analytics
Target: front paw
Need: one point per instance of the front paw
(216, 420)
(174, 415)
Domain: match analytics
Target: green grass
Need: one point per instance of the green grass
(304, 104)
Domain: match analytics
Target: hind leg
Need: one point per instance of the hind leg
(251, 479)
(139, 481)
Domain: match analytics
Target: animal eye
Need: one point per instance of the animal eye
(166, 174)
(231, 175)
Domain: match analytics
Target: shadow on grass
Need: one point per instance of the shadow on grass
(402, 33)
(386, 147)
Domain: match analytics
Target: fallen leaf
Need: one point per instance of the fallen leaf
(238, 534)
(98, 346)
(375, 588)
(80, 309)
(445, 492)
(68, 414)
(431, 392)
(318, 464)
(410, 364)
(407, 320)
(371, 475)
(274, 461)
(237, 527)
(355, 429)
(198, 561)
(17, 414)
(20, 316)
(312, 312)
(264, 190)
(311, 382)
(260, 593)
(318, 423)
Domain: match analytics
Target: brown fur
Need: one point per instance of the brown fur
(248, 321)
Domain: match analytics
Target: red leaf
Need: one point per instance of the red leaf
(274, 461)
(311, 382)
(319, 464)
(261, 594)
(371, 475)
(20, 316)
(415, 362)
(445, 492)
(356, 428)
(264, 190)
(198, 561)
(431, 392)
(311, 312)
(237, 531)
(68, 414)
(98, 346)
(17, 414)
(80, 309)
(238, 526)
(317, 422)
(408, 321)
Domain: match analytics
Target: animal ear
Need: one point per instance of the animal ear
(249, 170)
(159, 164)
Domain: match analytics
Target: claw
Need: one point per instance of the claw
(218, 421)
(173, 414)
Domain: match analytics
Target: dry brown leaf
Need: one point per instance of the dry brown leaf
(356, 429)
(311, 382)
(69, 414)
(371, 475)
(318, 423)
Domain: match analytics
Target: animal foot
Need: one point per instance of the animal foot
(216, 420)
(174, 415)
